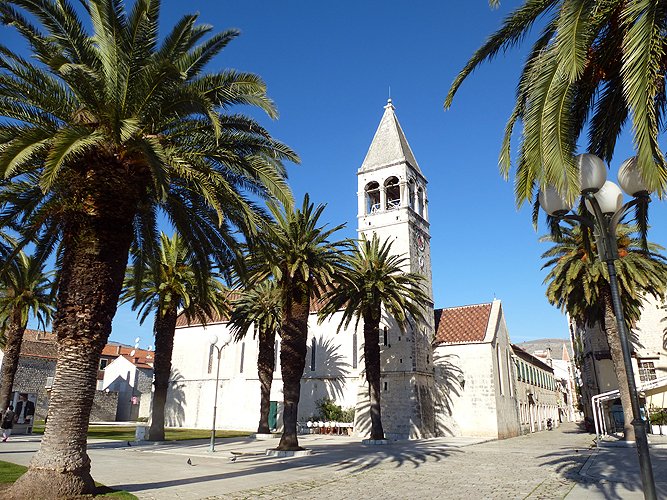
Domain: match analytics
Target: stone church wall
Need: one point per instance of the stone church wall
(466, 390)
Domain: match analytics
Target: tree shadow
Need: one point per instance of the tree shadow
(349, 457)
(174, 408)
(449, 383)
(611, 471)
(324, 376)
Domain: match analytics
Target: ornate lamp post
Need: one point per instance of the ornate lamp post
(604, 202)
(226, 339)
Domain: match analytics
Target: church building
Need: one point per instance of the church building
(392, 203)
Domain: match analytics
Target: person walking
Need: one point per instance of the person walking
(7, 423)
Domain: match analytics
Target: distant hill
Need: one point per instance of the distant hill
(556, 346)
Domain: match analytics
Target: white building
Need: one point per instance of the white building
(132, 378)
(475, 372)
(392, 202)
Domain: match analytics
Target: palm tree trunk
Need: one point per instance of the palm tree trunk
(294, 332)
(96, 242)
(266, 364)
(10, 362)
(372, 363)
(614, 339)
(165, 326)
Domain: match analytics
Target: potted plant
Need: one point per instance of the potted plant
(658, 418)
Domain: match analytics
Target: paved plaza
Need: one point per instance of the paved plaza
(550, 464)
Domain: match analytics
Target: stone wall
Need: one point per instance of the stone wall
(104, 407)
(466, 390)
(506, 395)
(31, 377)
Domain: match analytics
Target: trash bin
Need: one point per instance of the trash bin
(141, 433)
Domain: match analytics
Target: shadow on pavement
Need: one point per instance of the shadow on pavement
(350, 457)
(611, 472)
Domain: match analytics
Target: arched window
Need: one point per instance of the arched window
(393, 193)
(372, 197)
(411, 194)
(420, 202)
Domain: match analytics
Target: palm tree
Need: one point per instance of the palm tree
(104, 131)
(297, 253)
(169, 285)
(594, 67)
(578, 283)
(26, 290)
(258, 307)
(374, 282)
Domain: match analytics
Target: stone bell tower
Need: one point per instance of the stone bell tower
(393, 204)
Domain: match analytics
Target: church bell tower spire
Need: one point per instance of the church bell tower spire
(393, 204)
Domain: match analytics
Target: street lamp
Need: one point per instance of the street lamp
(604, 202)
(226, 339)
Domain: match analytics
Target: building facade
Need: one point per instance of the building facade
(451, 374)
(37, 367)
(538, 391)
(474, 372)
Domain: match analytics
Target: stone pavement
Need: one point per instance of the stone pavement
(545, 465)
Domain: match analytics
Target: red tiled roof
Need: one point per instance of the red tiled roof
(45, 350)
(139, 363)
(115, 350)
(182, 322)
(40, 344)
(461, 324)
(38, 335)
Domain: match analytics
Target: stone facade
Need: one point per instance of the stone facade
(649, 361)
(474, 373)
(452, 390)
(104, 407)
(538, 391)
(393, 204)
(132, 381)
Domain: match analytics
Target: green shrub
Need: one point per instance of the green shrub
(330, 411)
(658, 416)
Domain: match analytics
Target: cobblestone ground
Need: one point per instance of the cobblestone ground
(544, 465)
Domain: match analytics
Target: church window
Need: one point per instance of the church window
(312, 355)
(354, 350)
(242, 357)
(103, 363)
(420, 202)
(393, 193)
(385, 341)
(509, 373)
(385, 386)
(372, 197)
(411, 194)
(500, 370)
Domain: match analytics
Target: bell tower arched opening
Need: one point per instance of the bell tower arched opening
(392, 193)
(372, 190)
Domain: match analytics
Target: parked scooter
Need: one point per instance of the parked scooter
(550, 424)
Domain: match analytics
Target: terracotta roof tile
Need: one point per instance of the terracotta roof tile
(182, 322)
(461, 324)
(39, 335)
(32, 349)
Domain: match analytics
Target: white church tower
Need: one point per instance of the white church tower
(393, 204)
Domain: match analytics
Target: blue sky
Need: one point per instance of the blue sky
(329, 67)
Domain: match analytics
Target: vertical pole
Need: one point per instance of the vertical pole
(646, 471)
(215, 400)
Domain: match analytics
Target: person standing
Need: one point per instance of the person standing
(7, 423)
(25, 409)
